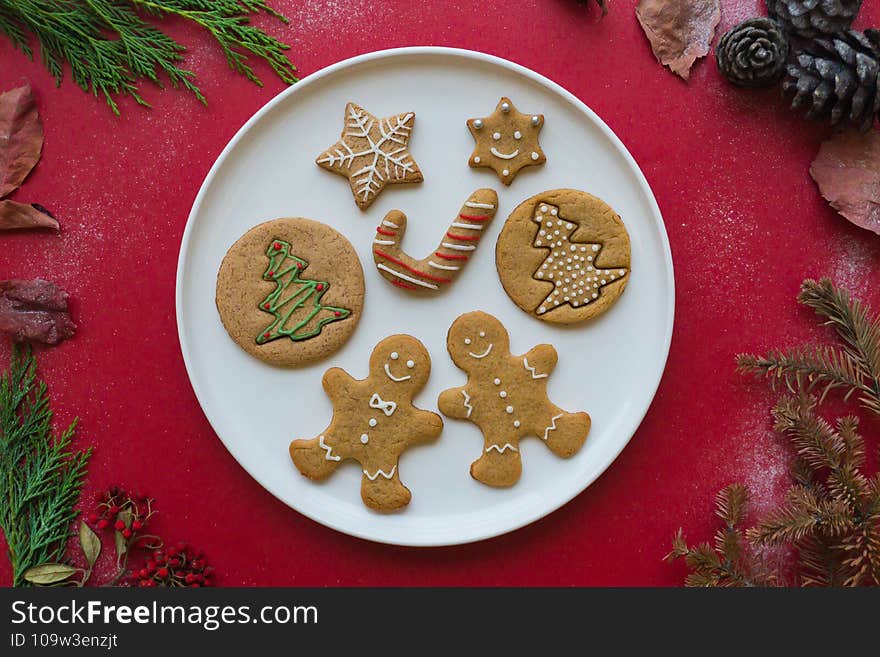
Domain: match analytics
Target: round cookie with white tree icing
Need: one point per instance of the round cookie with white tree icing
(563, 256)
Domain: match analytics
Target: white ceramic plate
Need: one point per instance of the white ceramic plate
(609, 367)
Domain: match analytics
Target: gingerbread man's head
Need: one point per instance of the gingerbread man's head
(476, 339)
(402, 363)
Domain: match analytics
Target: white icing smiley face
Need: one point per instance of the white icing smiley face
(395, 356)
(481, 349)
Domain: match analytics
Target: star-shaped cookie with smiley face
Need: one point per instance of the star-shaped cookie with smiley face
(506, 397)
(374, 421)
(506, 141)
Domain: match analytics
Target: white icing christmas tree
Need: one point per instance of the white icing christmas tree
(570, 266)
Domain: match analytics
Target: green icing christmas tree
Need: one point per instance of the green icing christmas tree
(295, 302)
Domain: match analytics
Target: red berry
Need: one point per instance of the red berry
(119, 525)
(143, 573)
(103, 524)
(266, 306)
(319, 287)
(174, 563)
(137, 525)
(266, 335)
(172, 551)
(126, 533)
(194, 586)
(189, 579)
(299, 265)
(271, 273)
(162, 572)
(276, 246)
(337, 313)
(93, 518)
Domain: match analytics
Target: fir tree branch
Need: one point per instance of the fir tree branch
(110, 46)
(40, 475)
(850, 318)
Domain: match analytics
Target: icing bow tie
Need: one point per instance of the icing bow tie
(387, 407)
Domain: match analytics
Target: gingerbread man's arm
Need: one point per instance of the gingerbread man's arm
(540, 361)
(455, 403)
(425, 426)
(338, 382)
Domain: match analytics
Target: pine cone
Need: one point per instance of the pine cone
(839, 78)
(812, 18)
(753, 53)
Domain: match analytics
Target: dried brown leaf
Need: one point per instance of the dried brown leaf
(34, 311)
(21, 215)
(90, 544)
(49, 573)
(680, 31)
(847, 171)
(21, 137)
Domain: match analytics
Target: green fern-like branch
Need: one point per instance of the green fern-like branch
(110, 46)
(40, 474)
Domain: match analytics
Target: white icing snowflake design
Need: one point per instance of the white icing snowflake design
(569, 266)
(372, 153)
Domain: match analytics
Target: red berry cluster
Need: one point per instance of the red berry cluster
(127, 512)
(179, 565)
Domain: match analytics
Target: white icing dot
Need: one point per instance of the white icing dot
(410, 364)
(595, 294)
(549, 224)
(554, 211)
(542, 232)
(535, 156)
(595, 247)
(482, 334)
(497, 382)
(540, 274)
(478, 123)
(467, 340)
(505, 172)
(602, 282)
(365, 438)
(516, 423)
(517, 135)
(573, 247)
(537, 242)
(541, 310)
(543, 208)
(496, 136)
(373, 422)
(536, 120)
(503, 394)
(621, 272)
(583, 248)
(509, 409)
(394, 355)
(477, 159)
(559, 223)
(505, 107)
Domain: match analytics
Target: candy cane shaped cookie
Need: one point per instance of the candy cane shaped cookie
(441, 268)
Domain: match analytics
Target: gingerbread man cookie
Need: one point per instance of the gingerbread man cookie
(374, 421)
(506, 397)
(506, 141)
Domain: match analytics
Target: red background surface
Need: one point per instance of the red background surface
(729, 169)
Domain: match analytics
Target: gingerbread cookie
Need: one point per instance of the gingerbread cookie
(506, 397)
(372, 153)
(506, 141)
(443, 266)
(290, 291)
(374, 421)
(563, 256)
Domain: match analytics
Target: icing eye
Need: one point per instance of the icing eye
(410, 364)
(496, 136)
(517, 135)
(467, 340)
(394, 355)
(482, 334)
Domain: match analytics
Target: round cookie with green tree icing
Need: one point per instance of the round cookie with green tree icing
(290, 291)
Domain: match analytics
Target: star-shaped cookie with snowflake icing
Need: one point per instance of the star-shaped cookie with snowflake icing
(506, 141)
(372, 153)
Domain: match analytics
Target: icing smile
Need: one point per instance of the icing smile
(395, 378)
(482, 355)
(504, 156)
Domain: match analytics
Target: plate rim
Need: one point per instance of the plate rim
(482, 57)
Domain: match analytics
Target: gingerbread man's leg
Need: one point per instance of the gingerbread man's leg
(500, 465)
(315, 458)
(563, 432)
(381, 490)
